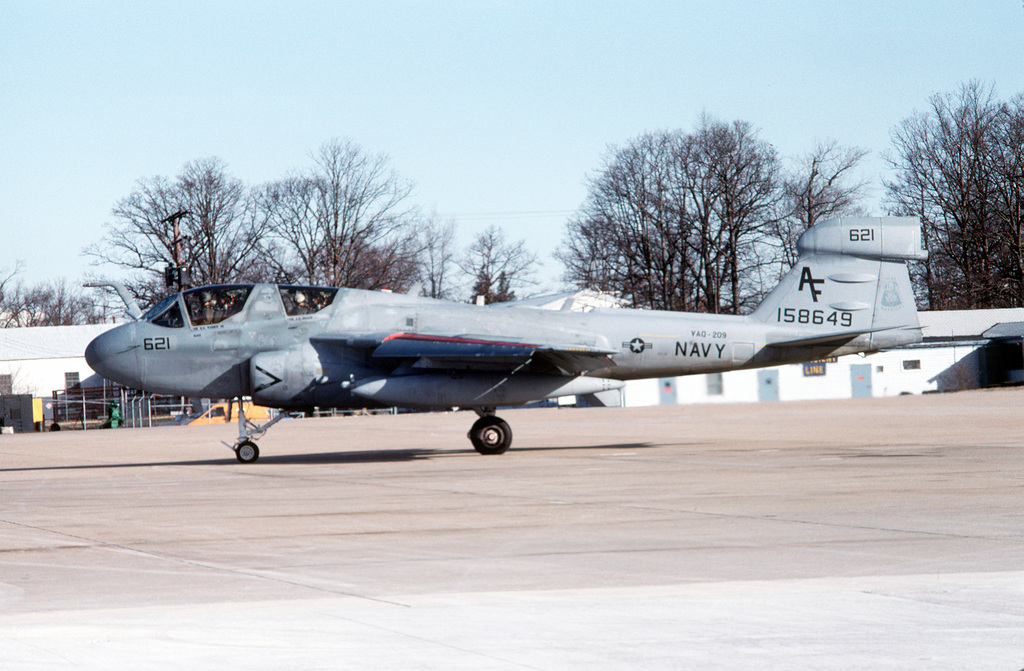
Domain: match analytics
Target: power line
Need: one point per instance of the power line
(525, 214)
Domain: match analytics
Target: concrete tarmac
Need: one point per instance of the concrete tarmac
(864, 534)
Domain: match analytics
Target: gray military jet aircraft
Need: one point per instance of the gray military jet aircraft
(296, 347)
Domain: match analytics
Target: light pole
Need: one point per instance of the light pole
(175, 275)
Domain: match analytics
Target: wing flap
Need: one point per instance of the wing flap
(575, 360)
(417, 345)
(355, 340)
(443, 351)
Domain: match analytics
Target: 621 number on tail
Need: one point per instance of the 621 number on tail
(818, 317)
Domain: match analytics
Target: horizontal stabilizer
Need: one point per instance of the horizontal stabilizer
(837, 339)
(840, 338)
(882, 238)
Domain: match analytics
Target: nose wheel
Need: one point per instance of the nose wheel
(247, 452)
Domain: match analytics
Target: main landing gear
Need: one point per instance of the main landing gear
(245, 448)
(490, 434)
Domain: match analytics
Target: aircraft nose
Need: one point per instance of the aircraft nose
(112, 355)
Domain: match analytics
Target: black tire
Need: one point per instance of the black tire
(247, 452)
(491, 435)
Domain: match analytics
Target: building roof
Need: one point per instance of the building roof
(970, 324)
(48, 342)
(1005, 330)
(580, 301)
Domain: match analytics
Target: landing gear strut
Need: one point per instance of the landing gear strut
(490, 434)
(245, 448)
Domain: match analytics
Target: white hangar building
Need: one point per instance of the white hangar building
(39, 360)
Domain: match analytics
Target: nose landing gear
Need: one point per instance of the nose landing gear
(245, 448)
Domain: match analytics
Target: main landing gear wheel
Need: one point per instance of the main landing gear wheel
(491, 435)
(247, 452)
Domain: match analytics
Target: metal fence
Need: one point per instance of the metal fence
(90, 407)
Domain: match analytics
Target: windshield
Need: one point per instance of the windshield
(212, 305)
(171, 317)
(305, 300)
(159, 307)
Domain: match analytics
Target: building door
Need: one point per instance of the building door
(767, 385)
(667, 391)
(860, 380)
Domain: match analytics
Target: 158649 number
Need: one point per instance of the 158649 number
(805, 316)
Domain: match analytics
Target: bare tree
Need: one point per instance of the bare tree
(821, 186)
(675, 220)
(220, 235)
(628, 237)
(1008, 197)
(739, 178)
(56, 303)
(223, 231)
(498, 268)
(295, 242)
(345, 222)
(7, 276)
(946, 175)
(437, 242)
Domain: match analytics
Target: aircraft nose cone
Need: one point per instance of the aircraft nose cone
(112, 355)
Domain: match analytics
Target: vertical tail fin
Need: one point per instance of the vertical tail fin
(850, 280)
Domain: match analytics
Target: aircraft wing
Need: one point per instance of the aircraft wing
(460, 351)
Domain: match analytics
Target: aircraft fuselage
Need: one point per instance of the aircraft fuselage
(318, 358)
(301, 346)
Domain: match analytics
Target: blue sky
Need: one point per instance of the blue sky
(497, 111)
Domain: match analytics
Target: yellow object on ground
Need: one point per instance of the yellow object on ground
(222, 413)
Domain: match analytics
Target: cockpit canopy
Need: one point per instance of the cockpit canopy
(305, 300)
(205, 306)
(212, 305)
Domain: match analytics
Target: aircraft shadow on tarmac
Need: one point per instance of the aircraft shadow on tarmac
(357, 457)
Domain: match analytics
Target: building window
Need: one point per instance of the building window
(71, 380)
(6, 385)
(879, 369)
(912, 364)
(716, 386)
